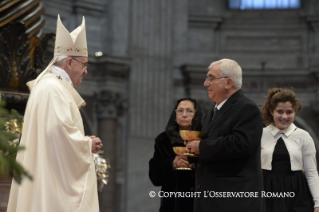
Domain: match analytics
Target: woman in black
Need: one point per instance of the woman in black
(186, 115)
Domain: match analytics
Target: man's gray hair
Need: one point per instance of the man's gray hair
(229, 68)
(60, 60)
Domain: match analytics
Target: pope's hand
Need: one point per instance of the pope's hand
(96, 144)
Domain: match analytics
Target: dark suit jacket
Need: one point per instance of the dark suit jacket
(229, 158)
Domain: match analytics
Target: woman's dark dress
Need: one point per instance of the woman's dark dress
(282, 180)
(161, 171)
(162, 174)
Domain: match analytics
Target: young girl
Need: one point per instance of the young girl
(286, 150)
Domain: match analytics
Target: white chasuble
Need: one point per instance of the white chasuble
(58, 155)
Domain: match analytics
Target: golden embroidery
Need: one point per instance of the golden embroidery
(82, 51)
(70, 50)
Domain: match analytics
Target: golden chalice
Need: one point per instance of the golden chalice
(189, 135)
(180, 150)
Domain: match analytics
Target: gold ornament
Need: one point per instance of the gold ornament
(13, 126)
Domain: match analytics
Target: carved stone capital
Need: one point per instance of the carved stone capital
(110, 104)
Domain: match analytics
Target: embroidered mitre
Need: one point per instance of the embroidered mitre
(70, 44)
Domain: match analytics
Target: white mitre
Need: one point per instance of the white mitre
(70, 44)
(66, 44)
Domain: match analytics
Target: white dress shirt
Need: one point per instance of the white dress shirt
(301, 149)
(221, 104)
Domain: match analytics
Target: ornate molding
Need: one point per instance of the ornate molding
(205, 21)
(14, 57)
(40, 52)
(14, 97)
(28, 12)
(21, 58)
(110, 104)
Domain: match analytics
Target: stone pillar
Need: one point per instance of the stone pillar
(109, 107)
(107, 132)
(151, 93)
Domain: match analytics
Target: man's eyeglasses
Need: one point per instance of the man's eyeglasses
(211, 79)
(189, 112)
(85, 65)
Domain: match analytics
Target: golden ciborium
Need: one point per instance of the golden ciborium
(189, 135)
(180, 150)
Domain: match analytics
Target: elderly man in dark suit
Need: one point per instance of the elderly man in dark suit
(229, 173)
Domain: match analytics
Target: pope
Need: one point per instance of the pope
(58, 154)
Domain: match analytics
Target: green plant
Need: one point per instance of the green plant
(10, 130)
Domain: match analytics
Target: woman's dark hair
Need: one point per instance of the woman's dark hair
(172, 128)
(276, 95)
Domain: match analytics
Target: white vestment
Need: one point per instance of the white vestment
(58, 155)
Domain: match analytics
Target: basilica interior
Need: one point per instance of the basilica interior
(146, 54)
